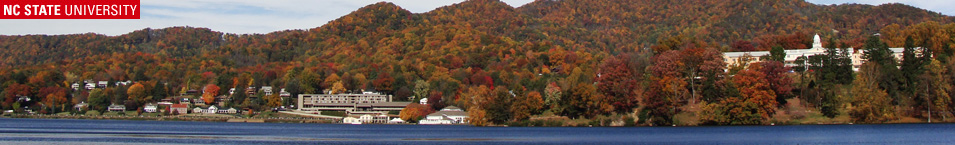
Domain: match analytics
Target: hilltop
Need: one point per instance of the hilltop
(477, 46)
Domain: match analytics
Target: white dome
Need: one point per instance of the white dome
(816, 42)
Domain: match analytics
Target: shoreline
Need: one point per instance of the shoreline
(180, 118)
(328, 121)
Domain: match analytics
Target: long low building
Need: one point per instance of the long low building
(791, 55)
(365, 103)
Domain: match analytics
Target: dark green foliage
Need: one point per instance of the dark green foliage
(777, 54)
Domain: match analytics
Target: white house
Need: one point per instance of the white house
(81, 106)
(423, 101)
(448, 115)
(150, 108)
(197, 110)
(102, 84)
(115, 107)
(227, 111)
(351, 120)
(75, 86)
(396, 121)
(90, 86)
(212, 110)
(267, 90)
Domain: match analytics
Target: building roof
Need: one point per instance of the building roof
(179, 106)
(390, 104)
(451, 108)
(449, 113)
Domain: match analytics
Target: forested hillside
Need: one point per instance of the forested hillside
(648, 60)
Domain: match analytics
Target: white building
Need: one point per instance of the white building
(375, 104)
(150, 108)
(791, 55)
(116, 108)
(267, 90)
(351, 120)
(448, 115)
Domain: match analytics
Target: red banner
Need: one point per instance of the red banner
(70, 9)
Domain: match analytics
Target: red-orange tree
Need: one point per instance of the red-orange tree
(209, 93)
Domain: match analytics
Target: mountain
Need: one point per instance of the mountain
(473, 43)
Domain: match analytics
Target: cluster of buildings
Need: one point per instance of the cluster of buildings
(448, 115)
(372, 108)
(182, 108)
(791, 55)
(351, 104)
(90, 84)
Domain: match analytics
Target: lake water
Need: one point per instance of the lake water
(65, 131)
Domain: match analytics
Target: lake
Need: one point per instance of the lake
(68, 131)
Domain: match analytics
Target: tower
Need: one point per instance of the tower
(816, 42)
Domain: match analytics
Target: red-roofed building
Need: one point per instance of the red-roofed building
(181, 108)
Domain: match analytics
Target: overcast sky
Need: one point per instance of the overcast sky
(264, 16)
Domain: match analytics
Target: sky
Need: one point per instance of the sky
(264, 16)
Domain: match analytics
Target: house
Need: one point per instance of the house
(117, 108)
(90, 86)
(75, 86)
(284, 94)
(222, 99)
(124, 83)
(396, 120)
(250, 91)
(102, 84)
(81, 106)
(267, 90)
(197, 110)
(198, 102)
(212, 110)
(167, 101)
(150, 108)
(351, 120)
(448, 115)
(227, 111)
(179, 108)
(423, 101)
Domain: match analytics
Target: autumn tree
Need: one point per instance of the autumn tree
(414, 111)
(241, 83)
(619, 82)
(754, 90)
(384, 83)
(331, 80)
(421, 89)
(209, 93)
(776, 76)
(743, 46)
(13, 92)
(54, 98)
(552, 97)
(933, 87)
(666, 88)
(477, 116)
(870, 104)
(273, 101)
(525, 106)
(137, 96)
